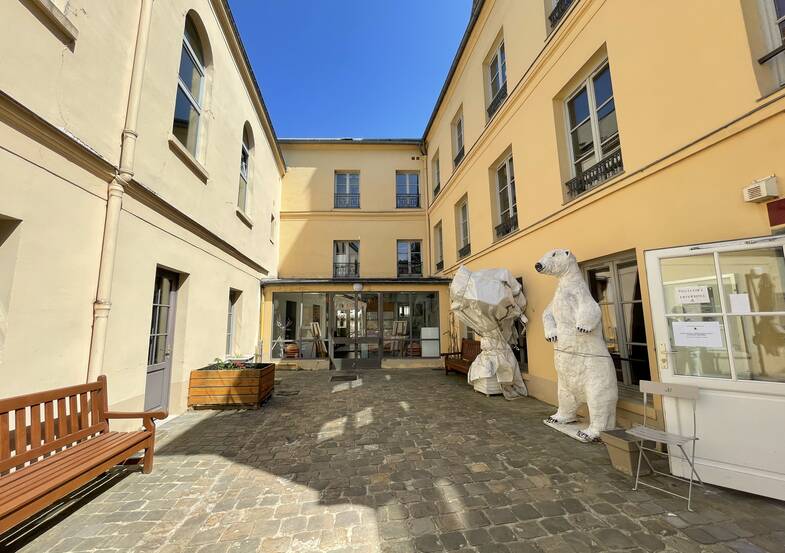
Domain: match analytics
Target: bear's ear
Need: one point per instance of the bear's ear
(566, 252)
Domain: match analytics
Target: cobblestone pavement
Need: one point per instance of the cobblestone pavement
(398, 461)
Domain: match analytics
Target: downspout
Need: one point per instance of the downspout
(114, 201)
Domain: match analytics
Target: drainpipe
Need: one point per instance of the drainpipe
(114, 202)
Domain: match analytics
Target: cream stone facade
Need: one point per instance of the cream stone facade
(99, 198)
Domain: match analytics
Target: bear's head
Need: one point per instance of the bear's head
(556, 262)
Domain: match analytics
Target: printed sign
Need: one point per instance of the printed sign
(740, 303)
(702, 334)
(693, 294)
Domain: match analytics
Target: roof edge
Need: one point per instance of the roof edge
(355, 141)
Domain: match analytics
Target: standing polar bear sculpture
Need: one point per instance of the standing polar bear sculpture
(584, 367)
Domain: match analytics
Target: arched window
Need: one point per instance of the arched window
(245, 165)
(190, 88)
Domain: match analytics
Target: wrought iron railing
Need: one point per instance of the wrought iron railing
(558, 12)
(407, 200)
(440, 265)
(498, 100)
(595, 175)
(409, 269)
(437, 189)
(458, 157)
(346, 270)
(347, 201)
(507, 225)
(464, 251)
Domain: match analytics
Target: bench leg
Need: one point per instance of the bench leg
(147, 464)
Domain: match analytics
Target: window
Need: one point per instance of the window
(593, 133)
(457, 139)
(615, 285)
(409, 258)
(437, 179)
(773, 15)
(347, 190)
(273, 227)
(231, 321)
(462, 217)
(346, 258)
(410, 324)
(560, 8)
(190, 89)
(9, 255)
(497, 79)
(245, 158)
(299, 329)
(507, 204)
(407, 189)
(438, 246)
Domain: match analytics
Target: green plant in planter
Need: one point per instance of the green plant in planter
(226, 364)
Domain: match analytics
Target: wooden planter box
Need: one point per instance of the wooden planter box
(247, 387)
(623, 452)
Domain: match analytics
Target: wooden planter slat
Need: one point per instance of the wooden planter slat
(246, 387)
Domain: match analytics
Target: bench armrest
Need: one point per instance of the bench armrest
(147, 416)
(450, 354)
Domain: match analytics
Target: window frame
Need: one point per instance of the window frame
(773, 36)
(437, 177)
(458, 145)
(245, 155)
(438, 244)
(346, 248)
(498, 62)
(512, 200)
(231, 322)
(409, 262)
(408, 174)
(348, 174)
(273, 227)
(463, 224)
(598, 153)
(181, 86)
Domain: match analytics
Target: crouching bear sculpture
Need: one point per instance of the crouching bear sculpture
(584, 367)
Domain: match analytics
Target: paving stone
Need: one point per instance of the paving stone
(453, 541)
(613, 539)
(478, 536)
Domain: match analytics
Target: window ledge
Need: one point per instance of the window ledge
(244, 217)
(187, 157)
(57, 18)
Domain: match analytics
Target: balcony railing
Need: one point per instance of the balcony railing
(437, 189)
(409, 269)
(497, 101)
(346, 270)
(347, 201)
(558, 12)
(458, 157)
(407, 201)
(508, 225)
(464, 251)
(440, 265)
(595, 175)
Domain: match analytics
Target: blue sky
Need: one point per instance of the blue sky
(351, 68)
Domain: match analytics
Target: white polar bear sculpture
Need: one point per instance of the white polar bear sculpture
(584, 366)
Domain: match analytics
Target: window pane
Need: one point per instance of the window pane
(754, 280)
(425, 324)
(779, 8)
(582, 140)
(629, 281)
(241, 194)
(603, 89)
(244, 163)
(758, 347)
(400, 188)
(186, 121)
(400, 179)
(414, 179)
(190, 75)
(578, 108)
(354, 178)
(192, 36)
(692, 360)
(340, 179)
(503, 58)
(607, 121)
(601, 285)
(690, 284)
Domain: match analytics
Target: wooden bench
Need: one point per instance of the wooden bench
(63, 444)
(460, 361)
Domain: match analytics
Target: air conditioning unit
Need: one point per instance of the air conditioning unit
(761, 190)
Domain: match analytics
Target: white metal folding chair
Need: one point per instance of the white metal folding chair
(648, 434)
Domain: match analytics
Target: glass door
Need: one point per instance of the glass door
(719, 324)
(356, 330)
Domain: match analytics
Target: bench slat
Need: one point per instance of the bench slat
(49, 422)
(94, 399)
(20, 432)
(73, 414)
(62, 423)
(72, 459)
(5, 437)
(84, 411)
(35, 426)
